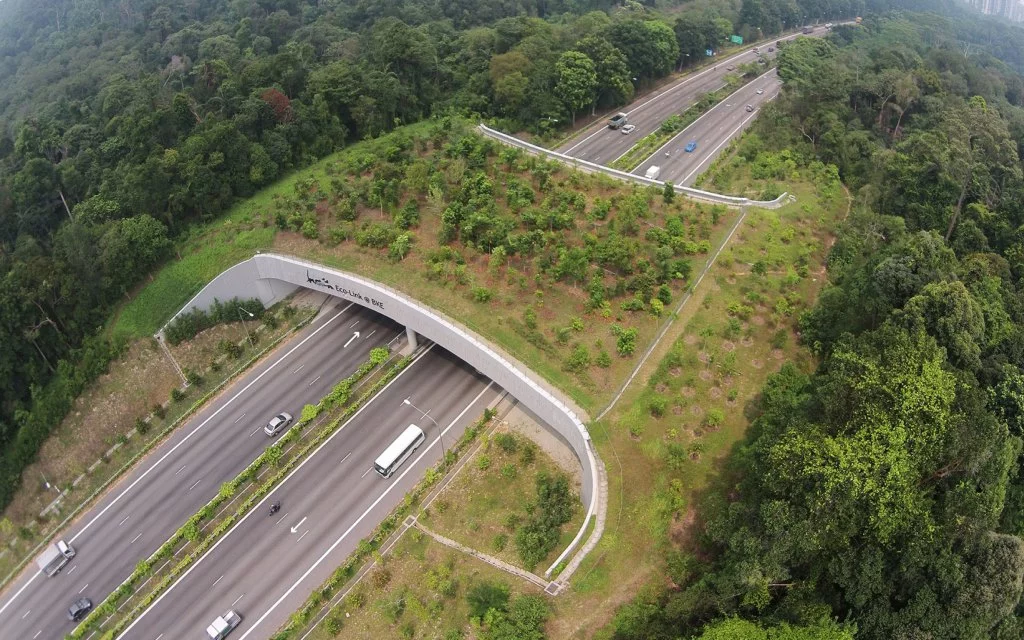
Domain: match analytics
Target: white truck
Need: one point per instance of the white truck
(53, 559)
(653, 172)
(222, 625)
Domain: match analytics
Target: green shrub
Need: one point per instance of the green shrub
(507, 442)
(193, 377)
(333, 625)
(177, 395)
(528, 454)
(483, 462)
(486, 596)
(509, 471)
(657, 406)
(159, 411)
(482, 294)
(141, 426)
(539, 534)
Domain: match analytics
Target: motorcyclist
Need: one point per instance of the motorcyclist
(274, 508)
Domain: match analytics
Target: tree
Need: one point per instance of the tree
(614, 84)
(577, 81)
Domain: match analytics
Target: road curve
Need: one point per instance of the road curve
(266, 567)
(145, 507)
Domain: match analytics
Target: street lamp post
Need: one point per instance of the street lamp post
(244, 326)
(440, 436)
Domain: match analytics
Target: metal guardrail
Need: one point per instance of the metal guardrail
(586, 165)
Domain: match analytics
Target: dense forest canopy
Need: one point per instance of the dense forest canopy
(124, 122)
(885, 490)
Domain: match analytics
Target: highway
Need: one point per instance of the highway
(142, 510)
(266, 566)
(602, 145)
(712, 133)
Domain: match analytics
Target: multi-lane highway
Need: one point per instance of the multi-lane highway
(266, 566)
(712, 132)
(145, 507)
(602, 145)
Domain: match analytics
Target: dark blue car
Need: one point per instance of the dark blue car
(691, 146)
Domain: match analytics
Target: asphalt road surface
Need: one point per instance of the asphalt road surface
(602, 145)
(266, 566)
(144, 508)
(712, 131)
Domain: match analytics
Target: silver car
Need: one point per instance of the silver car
(280, 422)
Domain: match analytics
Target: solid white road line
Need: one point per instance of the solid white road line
(175, 448)
(369, 509)
(709, 156)
(682, 133)
(259, 505)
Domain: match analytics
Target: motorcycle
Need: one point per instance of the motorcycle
(274, 508)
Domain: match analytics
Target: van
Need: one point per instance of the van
(652, 173)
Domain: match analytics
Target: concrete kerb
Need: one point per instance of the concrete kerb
(273, 276)
(591, 167)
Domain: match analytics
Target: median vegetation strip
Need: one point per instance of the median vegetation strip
(114, 398)
(204, 528)
(672, 125)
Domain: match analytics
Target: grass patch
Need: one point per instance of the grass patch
(666, 441)
(419, 590)
(488, 502)
(578, 254)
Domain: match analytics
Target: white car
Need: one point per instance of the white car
(760, 91)
(627, 129)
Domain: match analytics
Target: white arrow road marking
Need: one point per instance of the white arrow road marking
(296, 527)
(354, 336)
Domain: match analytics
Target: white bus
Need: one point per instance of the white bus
(399, 450)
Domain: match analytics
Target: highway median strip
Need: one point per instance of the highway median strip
(674, 124)
(173, 423)
(334, 409)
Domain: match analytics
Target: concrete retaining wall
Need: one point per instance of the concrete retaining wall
(271, 277)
